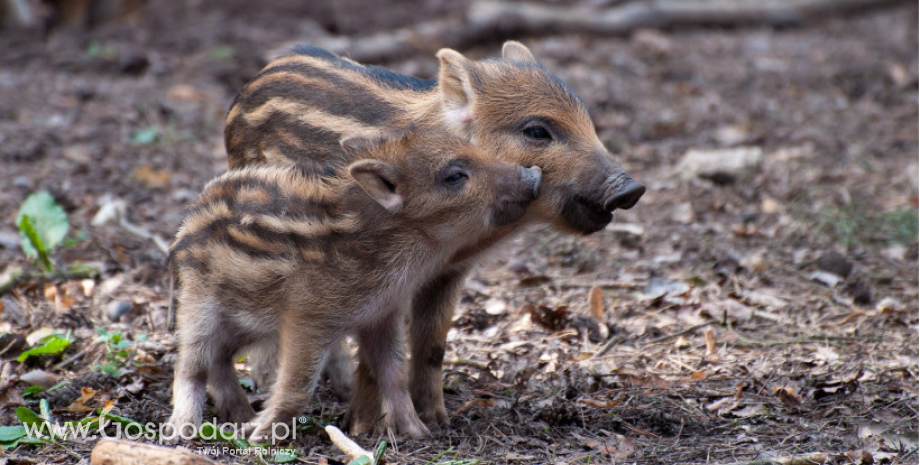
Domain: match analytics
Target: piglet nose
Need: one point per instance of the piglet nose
(624, 192)
(532, 177)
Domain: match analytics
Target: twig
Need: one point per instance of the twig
(19, 276)
(143, 233)
(813, 458)
(501, 19)
(346, 445)
(747, 342)
(75, 357)
(681, 333)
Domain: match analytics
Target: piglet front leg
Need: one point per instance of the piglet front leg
(302, 351)
(381, 347)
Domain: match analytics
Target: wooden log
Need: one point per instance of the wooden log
(495, 20)
(121, 452)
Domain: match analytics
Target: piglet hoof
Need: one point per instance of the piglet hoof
(435, 419)
(408, 424)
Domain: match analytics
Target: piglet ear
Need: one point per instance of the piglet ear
(455, 85)
(379, 180)
(516, 51)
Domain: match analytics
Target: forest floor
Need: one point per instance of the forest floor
(759, 312)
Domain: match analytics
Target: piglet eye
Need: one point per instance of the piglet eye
(455, 178)
(539, 133)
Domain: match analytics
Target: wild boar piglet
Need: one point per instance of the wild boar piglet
(272, 254)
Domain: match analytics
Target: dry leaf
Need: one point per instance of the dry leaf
(151, 178)
(710, 337)
(788, 397)
(619, 446)
(184, 92)
(695, 376)
(641, 379)
(722, 405)
(599, 403)
(484, 403)
(552, 319)
(79, 405)
(596, 303)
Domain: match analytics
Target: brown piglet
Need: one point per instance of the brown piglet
(273, 255)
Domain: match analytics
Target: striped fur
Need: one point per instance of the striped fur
(296, 109)
(269, 253)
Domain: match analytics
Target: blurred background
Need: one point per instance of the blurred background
(778, 140)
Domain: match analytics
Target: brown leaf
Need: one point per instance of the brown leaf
(641, 379)
(552, 319)
(619, 446)
(599, 403)
(79, 405)
(596, 303)
(695, 376)
(788, 397)
(152, 178)
(710, 337)
(483, 403)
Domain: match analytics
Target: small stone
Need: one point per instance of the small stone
(721, 166)
(118, 308)
(836, 263)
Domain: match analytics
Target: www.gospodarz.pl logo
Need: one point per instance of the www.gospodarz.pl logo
(160, 432)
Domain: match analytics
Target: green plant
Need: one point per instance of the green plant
(53, 344)
(119, 352)
(43, 226)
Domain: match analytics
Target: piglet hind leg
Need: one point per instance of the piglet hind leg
(302, 354)
(382, 348)
(432, 312)
(189, 394)
(365, 414)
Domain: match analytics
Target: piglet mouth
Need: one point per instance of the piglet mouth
(513, 207)
(593, 212)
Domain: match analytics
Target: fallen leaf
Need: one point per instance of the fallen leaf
(710, 338)
(39, 378)
(750, 411)
(599, 403)
(552, 319)
(788, 397)
(695, 376)
(722, 405)
(151, 178)
(596, 303)
(641, 379)
(79, 405)
(184, 92)
(483, 403)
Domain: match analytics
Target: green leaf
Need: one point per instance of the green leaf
(32, 244)
(283, 456)
(28, 417)
(222, 53)
(362, 460)
(210, 432)
(53, 344)
(32, 390)
(11, 433)
(145, 136)
(378, 454)
(9, 445)
(42, 224)
(123, 421)
(45, 409)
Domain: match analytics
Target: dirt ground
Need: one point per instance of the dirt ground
(758, 312)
